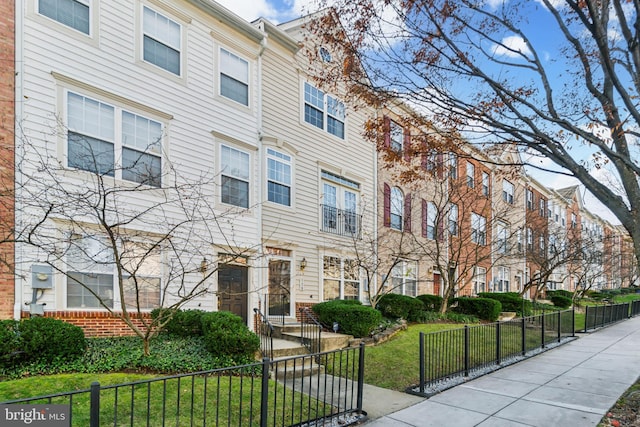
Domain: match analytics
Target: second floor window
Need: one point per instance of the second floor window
(530, 200)
(453, 220)
(502, 238)
(507, 191)
(485, 184)
(453, 166)
(323, 111)
(478, 229)
(339, 205)
(278, 177)
(396, 137)
(471, 173)
(161, 41)
(542, 207)
(73, 13)
(93, 144)
(235, 176)
(397, 208)
(234, 77)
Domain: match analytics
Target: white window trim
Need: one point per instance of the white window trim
(249, 180)
(219, 78)
(33, 7)
(408, 271)
(325, 111)
(341, 280)
(119, 104)
(175, 15)
(266, 177)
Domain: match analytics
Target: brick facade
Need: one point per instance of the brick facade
(7, 160)
(95, 324)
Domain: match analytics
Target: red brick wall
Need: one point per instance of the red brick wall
(95, 324)
(7, 176)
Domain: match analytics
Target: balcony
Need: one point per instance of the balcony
(340, 222)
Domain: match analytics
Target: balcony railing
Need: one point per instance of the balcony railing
(341, 222)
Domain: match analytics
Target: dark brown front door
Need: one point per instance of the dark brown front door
(232, 289)
(436, 284)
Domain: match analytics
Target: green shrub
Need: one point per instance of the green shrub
(561, 292)
(431, 302)
(225, 334)
(352, 317)
(9, 340)
(47, 339)
(485, 308)
(561, 301)
(185, 323)
(396, 306)
(511, 301)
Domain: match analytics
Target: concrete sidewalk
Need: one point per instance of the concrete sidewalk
(572, 385)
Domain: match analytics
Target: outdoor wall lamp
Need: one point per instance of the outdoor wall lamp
(203, 266)
(303, 264)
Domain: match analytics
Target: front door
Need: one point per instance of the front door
(232, 289)
(436, 284)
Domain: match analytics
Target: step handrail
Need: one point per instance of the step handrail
(310, 330)
(265, 332)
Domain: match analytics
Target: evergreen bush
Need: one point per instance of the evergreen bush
(561, 301)
(484, 308)
(353, 318)
(511, 301)
(48, 339)
(225, 334)
(431, 302)
(397, 306)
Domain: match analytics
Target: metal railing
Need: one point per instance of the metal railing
(265, 332)
(458, 353)
(603, 315)
(340, 221)
(635, 308)
(310, 330)
(278, 306)
(237, 396)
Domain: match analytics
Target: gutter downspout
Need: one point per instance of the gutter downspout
(19, 151)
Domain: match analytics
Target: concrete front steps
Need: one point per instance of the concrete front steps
(287, 348)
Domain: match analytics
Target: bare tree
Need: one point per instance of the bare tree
(126, 236)
(482, 69)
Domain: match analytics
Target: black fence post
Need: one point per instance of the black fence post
(542, 329)
(498, 343)
(94, 408)
(573, 321)
(264, 395)
(422, 362)
(559, 325)
(466, 351)
(360, 378)
(524, 339)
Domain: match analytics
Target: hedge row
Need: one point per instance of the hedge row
(511, 301)
(352, 317)
(485, 308)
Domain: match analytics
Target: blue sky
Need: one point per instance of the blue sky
(276, 11)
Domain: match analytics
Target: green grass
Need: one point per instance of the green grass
(626, 298)
(220, 400)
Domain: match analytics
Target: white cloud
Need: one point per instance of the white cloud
(493, 4)
(512, 46)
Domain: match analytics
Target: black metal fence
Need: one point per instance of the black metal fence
(310, 330)
(454, 354)
(265, 331)
(323, 389)
(603, 315)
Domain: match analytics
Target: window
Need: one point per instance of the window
(339, 205)
(341, 278)
(502, 282)
(507, 191)
(574, 220)
(453, 220)
(502, 230)
(397, 208)
(403, 278)
(553, 250)
(91, 278)
(396, 137)
(478, 229)
(429, 217)
(485, 184)
(323, 111)
(550, 209)
(563, 217)
(234, 77)
(279, 177)
(234, 170)
(453, 166)
(543, 209)
(541, 242)
(92, 142)
(479, 279)
(529, 199)
(161, 41)
(519, 239)
(72, 13)
(471, 171)
(529, 239)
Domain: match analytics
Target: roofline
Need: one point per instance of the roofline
(226, 16)
(275, 33)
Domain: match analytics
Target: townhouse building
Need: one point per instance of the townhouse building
(168, 152)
